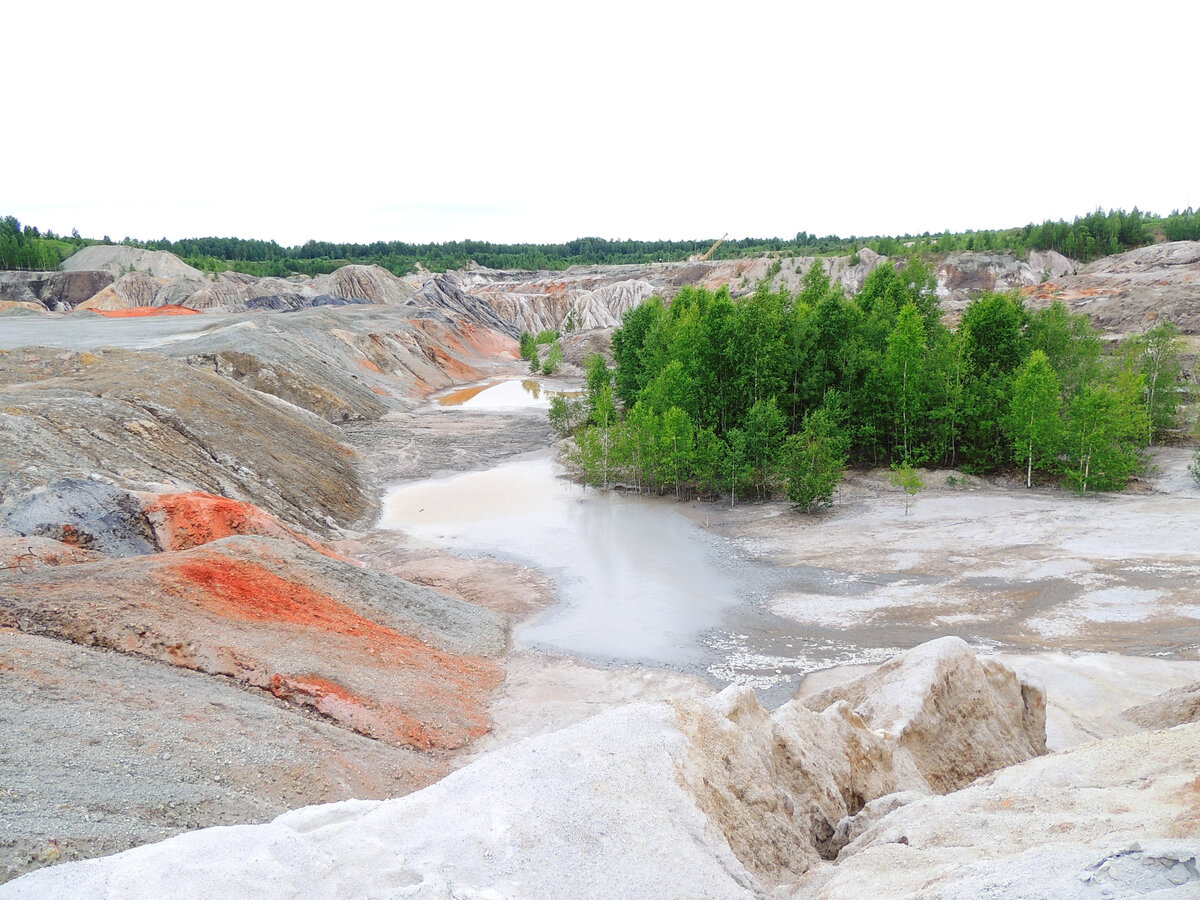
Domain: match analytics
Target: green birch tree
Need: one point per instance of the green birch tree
(1034, 421)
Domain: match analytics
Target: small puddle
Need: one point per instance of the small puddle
(461, 396)
(523, 393)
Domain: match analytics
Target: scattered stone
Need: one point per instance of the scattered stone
(1175, 707)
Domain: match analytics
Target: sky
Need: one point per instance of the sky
(541, 122)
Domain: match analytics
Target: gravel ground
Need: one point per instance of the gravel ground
(168, 751)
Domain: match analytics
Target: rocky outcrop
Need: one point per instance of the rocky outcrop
(715, 798)
(157, 278)
(347, 365)
(392, 660)
(22, 287)
(963, 275)
(171, 501)
(80, 512)
(998, 720)
(1176, 707)
(57, 291)
(446, 292)
(1131, 292)
(577, 309)
(127, 292)
(370, 284)
(20, 308)
(104, 751)
(1115, 818)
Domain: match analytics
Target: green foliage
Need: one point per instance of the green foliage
(1086, 237)
(1071, 343)
(535, 362)
(905, 371)
(738, 396)
(1034, 420)
(528, 345)
(567, 414)
(1155, 356)
(546, 336)
(815, 460)
(994, 344)
(628, 342)
(1105, 428)
(765, 430)
(908, 480)
(554, 359)
(27, 248)
(599, 375)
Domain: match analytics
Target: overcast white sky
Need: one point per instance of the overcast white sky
(526, 121)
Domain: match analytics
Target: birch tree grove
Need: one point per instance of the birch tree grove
(769, 392)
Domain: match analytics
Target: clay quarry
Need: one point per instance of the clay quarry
(286, 612)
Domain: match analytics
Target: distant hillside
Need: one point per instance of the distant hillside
(1085, 238)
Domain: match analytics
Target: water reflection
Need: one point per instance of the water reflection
(525, 393)
(462, 395)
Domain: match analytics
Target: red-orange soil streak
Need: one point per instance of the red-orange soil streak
(197, 517)
(380, 391)
(169, 310)
(369, 366)
(242, 590)
(357, 711)
(489, 343)
(445, 688)
(448, 363)
(73, 537)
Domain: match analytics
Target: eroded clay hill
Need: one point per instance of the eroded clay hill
(182, 621)
(1123, 294)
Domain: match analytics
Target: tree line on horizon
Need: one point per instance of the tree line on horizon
(778, 393)
(1085, 238)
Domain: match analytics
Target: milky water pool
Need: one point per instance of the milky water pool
(637, 582)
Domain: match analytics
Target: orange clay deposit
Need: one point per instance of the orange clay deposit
(489, 343)
(247, 591)
(183, 521)
(453, 367)
(427, 685)
(168, 310)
